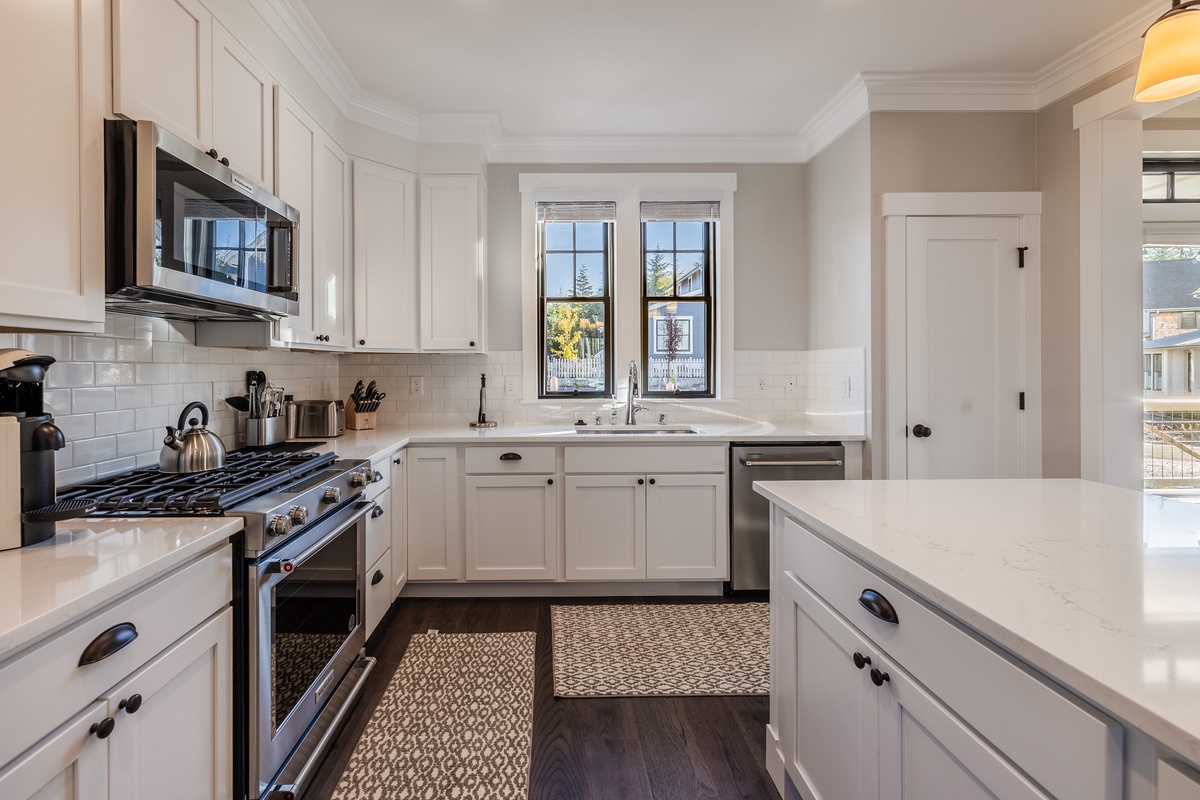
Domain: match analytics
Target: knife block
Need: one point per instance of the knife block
(359, 420)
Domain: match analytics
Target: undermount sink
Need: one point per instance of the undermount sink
(627, 430)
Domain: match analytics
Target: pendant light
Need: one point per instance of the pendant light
(1170, 65)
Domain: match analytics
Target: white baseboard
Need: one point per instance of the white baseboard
(575, 589)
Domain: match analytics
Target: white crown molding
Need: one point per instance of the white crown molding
(387, 115)
(846, 108)
(305, 40)
(1110, 50)
(644, 150)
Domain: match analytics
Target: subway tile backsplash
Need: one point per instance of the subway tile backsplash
(114, 393)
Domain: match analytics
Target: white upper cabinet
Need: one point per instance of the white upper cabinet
(385, 255)
(332, 303)
(177, 66)
(52, 214)
(452, 264)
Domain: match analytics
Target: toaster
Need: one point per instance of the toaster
(320, 419)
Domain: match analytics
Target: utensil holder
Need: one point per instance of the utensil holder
(266, 431)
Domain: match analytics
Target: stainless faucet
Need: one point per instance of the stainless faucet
(631, 407)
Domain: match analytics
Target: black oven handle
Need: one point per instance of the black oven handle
(357, 510)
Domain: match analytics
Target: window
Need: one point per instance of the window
(1170, 181)
(678, 247)
(1152, 372)
(1187, 320)
(575, 272)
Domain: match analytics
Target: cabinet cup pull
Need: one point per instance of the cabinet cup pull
(131, 704)
(879, 678)
(377, 577)
(510, 456)
(108, 643)
(377, 512)
(878, 605)
(861, 661)
(104, 728)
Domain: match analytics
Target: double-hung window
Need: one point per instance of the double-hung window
(678, 319)
(575, 244)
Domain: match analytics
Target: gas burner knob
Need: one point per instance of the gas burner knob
(298, 515)
(332, 495)
(279, 525)
(358, 478)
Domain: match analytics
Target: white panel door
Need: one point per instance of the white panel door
(162, 65)
(378, 592)
(450, 263)
(179, 740)
(296, 140)
(964, 348)
(512, 527)
(385, 257)
(331, 244)
(69, 764)
(687, 527)
(52, 212)
(606, 527)
(399, 522)
(434, 531)
(243, 110)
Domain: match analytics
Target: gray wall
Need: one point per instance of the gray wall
(770, 250)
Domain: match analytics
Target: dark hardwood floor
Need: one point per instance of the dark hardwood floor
(644, 748)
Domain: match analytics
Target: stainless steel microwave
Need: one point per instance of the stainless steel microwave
(189, 238)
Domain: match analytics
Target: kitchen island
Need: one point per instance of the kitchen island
(1035, 617)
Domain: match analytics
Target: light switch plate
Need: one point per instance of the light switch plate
(416, 386)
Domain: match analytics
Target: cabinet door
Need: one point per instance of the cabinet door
(162, 65)
(178, 741)
(606, 527)
(379, 591)
(1175, 782)
(434, 531)
(829, 726)
(399, 522)
(451, 278)
(331, 245)
(512, 527)
(296, 142)
(379, 528)
(687, 524)
(385, 257)
(52, 212)
(243, 118)
(69, 764)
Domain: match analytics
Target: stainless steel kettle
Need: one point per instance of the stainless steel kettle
(193, 450)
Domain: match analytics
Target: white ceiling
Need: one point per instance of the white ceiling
(684, 67)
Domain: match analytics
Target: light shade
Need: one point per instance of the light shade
(1170, 65)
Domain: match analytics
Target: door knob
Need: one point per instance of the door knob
(922, 431)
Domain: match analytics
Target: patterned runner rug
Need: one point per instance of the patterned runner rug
(456, 721)
(654, 650)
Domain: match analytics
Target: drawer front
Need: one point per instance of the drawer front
(383, 468)
(1174, 781)
(379, 528)
(46, 685)
(379, 590)
(1001, 699)
(600, 459)
(515, 459)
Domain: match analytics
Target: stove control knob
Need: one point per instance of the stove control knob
(332, 495)
(298, 515)
(278, 525)
(358, 479)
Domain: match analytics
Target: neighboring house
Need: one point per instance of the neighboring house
(1170, 304)
(1169, 370)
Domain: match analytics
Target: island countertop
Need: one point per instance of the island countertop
(1095, 586)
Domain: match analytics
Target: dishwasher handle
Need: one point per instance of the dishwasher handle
(746, 462)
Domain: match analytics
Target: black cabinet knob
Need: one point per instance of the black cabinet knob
(549, 481)
(879, 678)
(362, 341)
(225, 161)
(104, 728)
(640, 481)
(377, 577)
(212, 153)
(652, 481)
(397, 460)
(861, 661)
(131, 704)
(471, 343)
(922, 431)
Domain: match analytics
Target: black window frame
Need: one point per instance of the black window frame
(1170, 168)
(709, 299)
(605, 299)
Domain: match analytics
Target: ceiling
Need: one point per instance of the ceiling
(669, 68)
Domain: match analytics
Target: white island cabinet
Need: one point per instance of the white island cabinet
(974, 638)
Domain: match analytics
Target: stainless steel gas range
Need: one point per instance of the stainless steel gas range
(298, 596)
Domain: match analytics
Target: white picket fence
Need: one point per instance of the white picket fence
(593, 368)
(681, 368)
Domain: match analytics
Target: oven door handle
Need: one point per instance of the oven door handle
(361, 509)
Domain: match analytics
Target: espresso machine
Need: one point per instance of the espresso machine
(28, 439)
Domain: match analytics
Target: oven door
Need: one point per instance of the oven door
(305, 632)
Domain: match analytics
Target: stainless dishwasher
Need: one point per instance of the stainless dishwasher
(749, 512)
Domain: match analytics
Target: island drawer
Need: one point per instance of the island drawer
(1009, 704)
(644, 459)
(502, 460)
(45, 685)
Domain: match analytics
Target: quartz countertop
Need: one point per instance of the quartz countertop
(1095, 586)
(88, 563)
(383, 440)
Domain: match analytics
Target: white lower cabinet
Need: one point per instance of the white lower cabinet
(399, 550)
(434, 529)
(606, 527)
(69, 764)
(1173, 781)
(379, 590)
(511, 527)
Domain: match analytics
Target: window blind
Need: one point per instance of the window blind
(577, 212)
(681, 212)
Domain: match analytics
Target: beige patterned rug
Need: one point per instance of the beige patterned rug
(456, 721)
(654, 650)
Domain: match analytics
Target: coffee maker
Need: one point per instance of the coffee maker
(28, 439)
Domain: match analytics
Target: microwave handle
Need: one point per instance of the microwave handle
(289, 285)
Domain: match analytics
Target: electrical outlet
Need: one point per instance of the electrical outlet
(789, 385)
(762, 384)
(512, 386)
(416, 386)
